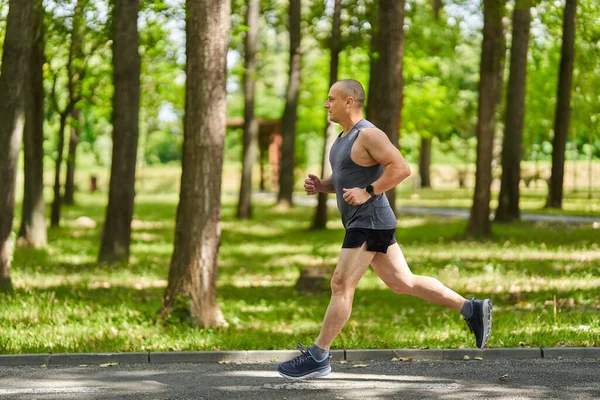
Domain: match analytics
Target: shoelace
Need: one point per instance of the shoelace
(302, 357)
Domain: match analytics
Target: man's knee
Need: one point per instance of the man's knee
(341, 284)
(403, 285)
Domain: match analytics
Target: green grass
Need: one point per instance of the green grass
(64, 301)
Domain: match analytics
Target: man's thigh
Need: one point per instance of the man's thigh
(353, 264)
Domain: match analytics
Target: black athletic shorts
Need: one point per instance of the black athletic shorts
(377, 240)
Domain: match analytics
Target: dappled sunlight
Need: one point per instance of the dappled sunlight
(411, 223)
(485, 254)
(256, 230)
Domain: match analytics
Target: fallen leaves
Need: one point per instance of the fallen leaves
(109, 364)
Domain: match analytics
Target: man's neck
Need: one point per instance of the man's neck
(349, 123)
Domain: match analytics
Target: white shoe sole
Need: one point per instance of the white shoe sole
(487, 322)
(317, 374)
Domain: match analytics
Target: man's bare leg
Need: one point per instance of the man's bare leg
(395, 273)
(350, 268)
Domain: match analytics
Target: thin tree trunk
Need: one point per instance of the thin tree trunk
(33, 222)
(320, 220)
(492, 55)
(590, 166)
(193, 270)
(244, 209)
(512, 144)
(563, 106)
(75, 75)
(14, 89)
(56, 201)
(77, 52)
(425, 162)
(388, 102)
(574, 163)
(437, 6)
(69, 197)
(374, 65)
(288, 121)
(116, 235)
(425, 153)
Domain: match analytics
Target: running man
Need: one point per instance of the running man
(365, 164)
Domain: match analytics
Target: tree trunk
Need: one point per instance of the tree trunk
(14, 89)
(56, 201)
(73, 142)
(388, 102)
(116, 235)
(193, 270)
(75, 74)
(374, 73)
(320, 220)
(563, 106)
(250, 123)
(425, 162)
(77, 52)
(492, 55)
(33, 222)
(512, 143)
(425, 153)
(288, 122)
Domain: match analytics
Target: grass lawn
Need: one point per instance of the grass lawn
(544, 280)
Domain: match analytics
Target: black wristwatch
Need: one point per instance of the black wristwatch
(370, 190)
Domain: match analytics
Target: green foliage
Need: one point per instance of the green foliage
(163, 147)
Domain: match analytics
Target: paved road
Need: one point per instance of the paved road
(449, 211)
(501, 379)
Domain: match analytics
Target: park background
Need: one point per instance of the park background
(81, 281)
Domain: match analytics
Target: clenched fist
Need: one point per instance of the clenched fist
(312, 185)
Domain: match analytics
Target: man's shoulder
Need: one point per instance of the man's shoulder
(372, 133)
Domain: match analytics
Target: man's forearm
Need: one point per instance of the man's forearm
(391, 177)
(327, 186)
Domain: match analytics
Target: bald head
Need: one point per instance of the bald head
(352, 88)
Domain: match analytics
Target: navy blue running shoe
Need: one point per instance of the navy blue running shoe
(304, 366)
(480, 322)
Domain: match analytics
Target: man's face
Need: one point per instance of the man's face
(335, 104)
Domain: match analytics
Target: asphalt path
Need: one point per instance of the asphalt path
(473, 379)
(451, 212)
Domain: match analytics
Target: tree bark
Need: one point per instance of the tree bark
(33, 222)
(512, 143)
(116, 235)
(57, 200)
(14, 89)
(320, 220)
(388, 74)
(492, 55)
(563, 107)
(74, 76)
(244, 209)
(425, 153)
(77, 51)
(425, 162)
(193, 270)
(69, 197)
(288, 121)
(374, 73)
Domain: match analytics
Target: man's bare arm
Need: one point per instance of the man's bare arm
(327, 185)
(381, 149)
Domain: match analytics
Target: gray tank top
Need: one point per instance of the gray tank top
(376, 213)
